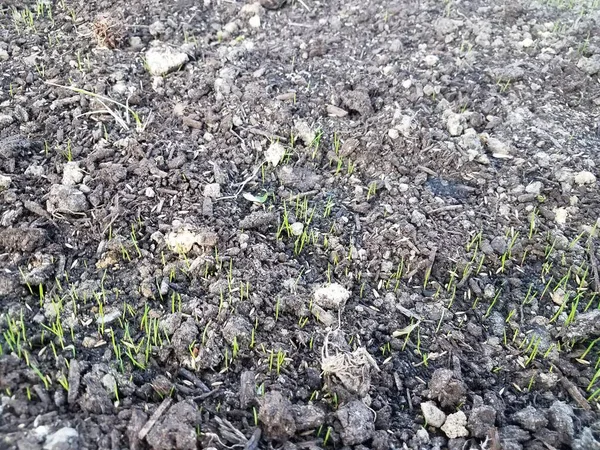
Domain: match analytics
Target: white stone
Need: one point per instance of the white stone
(297, 228)
(454, 124)
(212, 190)
(560, 215)
(455, 425)
(590, 65)
(156, 28)
(431, 60)
(254, 21)
(393, 134)
(149, 192)
(72, 174)
(5, 120)
(4, 182)
(527, 42)
(333, 296)
(499, 149)
(184, 239)
(305, 132)
(432, 414)
(418, 218)
(585, 177)
(3, 55)
(65, 438)
(534, 187)
(162, 60)
(274, 153)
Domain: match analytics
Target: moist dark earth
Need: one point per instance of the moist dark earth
(299, 225)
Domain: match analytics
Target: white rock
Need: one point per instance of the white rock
(5, 120)
(431, 60)
(66, 199)
(274, 153)
(499, 149)
(561, 215)
(109, 383)
(590, 65)
(454, 124)
(333, 296)
(64, 439)
(297, 228)
(72, 174)
(4, 182)
(432, 414)
(156, 28)
(162, 60)
(527, 42)
(254, 21)
(305, 132)
(470, 140)
(393, 134)
(406, 84)
(41, 432)
(405, 125)
(455, 425)
(534, 187)
(417, 218)
(251, 9)
(585, 177)
(149, 192)
(3, 55)
(212, 190)
(183, 239)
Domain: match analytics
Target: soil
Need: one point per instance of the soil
(300, 224)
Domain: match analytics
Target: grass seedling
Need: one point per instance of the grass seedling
(63, 382)
(532, 222)
(327, 436)
(280, 360)
(372, 190)
(42, 377)
(489, 310)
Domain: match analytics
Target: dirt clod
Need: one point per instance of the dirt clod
(357, 422)
(277, 416)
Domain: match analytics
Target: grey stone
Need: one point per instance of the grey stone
(308, 417)
(358, 100)
(590, 65)
(357, 422)
(177, 431)
(530, 418)
(66, 199)
(277, 416)
(560, 416)
(236, 329)
(64, 439)
(481, 421)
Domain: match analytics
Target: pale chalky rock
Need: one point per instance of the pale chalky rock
(455, 425)
(332, 296)
(162, 60)
(585, 177)
(433, 415)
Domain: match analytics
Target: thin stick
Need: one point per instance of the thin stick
(159, 412)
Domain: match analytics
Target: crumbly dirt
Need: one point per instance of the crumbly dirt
(179, 178)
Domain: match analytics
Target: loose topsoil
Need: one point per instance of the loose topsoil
(299, 225)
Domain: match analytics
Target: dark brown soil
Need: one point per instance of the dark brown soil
(299, 225)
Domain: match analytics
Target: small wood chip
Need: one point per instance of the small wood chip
(187, 121)
(334, 111)
(159, 412)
